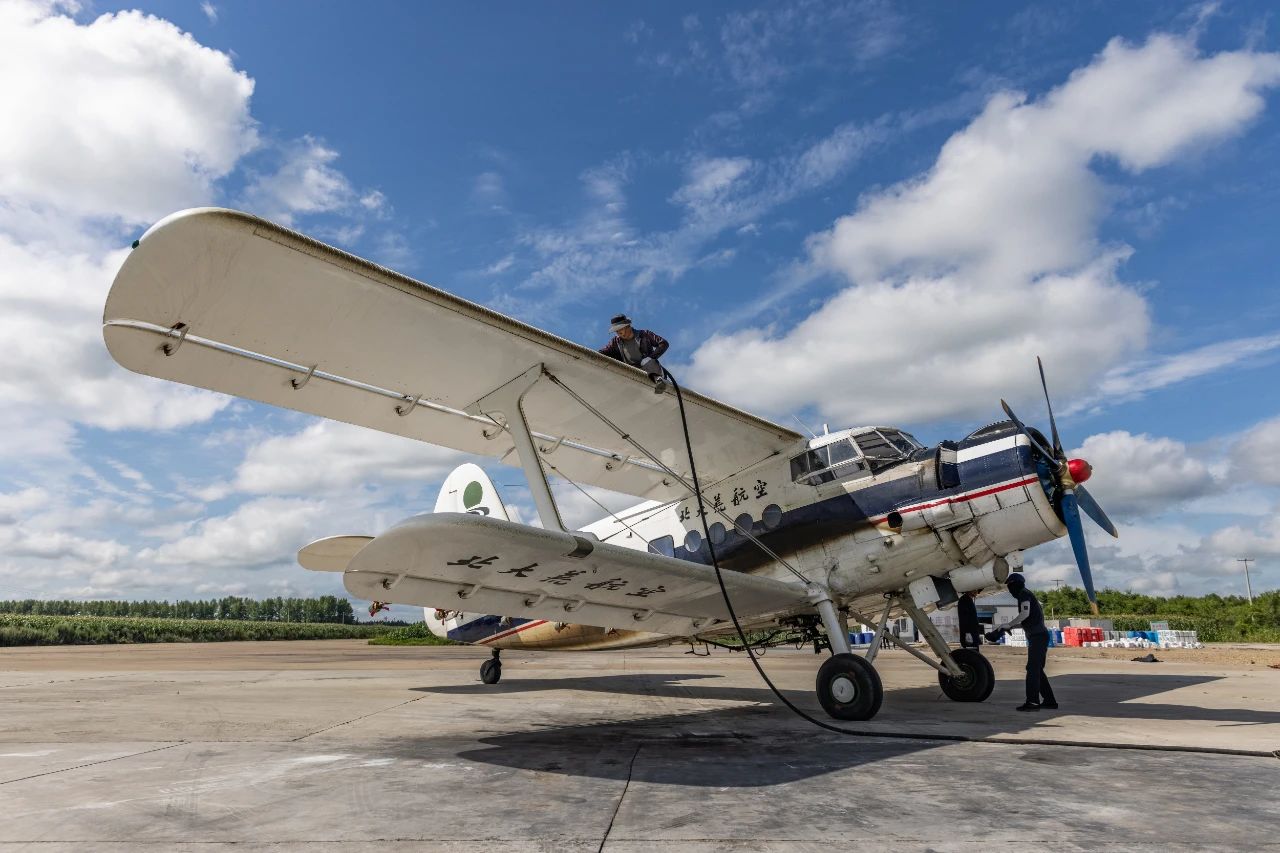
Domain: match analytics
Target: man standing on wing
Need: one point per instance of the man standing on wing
(1030, 618)
(638, 348)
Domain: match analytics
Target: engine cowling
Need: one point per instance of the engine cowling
(993, 573)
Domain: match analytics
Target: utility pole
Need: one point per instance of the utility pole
(1247, 585)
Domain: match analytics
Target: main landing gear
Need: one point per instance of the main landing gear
(491, 670)
(848, 685)
(976, 682)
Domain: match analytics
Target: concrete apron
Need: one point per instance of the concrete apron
(388, 747)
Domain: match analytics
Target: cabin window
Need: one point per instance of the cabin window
(664, 545)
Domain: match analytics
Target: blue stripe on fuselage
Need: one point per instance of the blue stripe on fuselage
(483, 628)
(844, 511)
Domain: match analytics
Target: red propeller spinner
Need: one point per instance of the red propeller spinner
(1080, 470)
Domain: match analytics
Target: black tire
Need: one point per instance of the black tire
(979, 678)
(491, 671)
(849, 688)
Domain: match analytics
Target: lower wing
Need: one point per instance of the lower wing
(457, 560)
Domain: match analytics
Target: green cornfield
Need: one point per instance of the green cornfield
(28, 630)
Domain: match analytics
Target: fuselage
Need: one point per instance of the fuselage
(863, 511)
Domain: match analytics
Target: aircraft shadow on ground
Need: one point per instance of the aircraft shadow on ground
(770, 745)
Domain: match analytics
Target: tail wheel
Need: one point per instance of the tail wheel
(849, 688)
(491, 671)
(977, 681)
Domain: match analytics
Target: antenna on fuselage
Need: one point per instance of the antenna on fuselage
(804, 426)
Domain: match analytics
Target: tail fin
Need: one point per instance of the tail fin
(467, 489)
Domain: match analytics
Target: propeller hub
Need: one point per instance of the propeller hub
(1080, 470)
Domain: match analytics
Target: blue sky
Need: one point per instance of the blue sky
(843, 212)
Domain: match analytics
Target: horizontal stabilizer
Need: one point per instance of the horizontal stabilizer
(468, 562)
(332, 554)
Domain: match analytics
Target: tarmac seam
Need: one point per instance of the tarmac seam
(631, 766)
(93, 763)
(358, 719)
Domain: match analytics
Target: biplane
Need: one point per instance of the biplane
(809, 534)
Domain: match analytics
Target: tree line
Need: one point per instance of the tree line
(1217, 617)
(326, 608)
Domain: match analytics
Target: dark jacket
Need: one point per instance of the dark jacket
(651, 346)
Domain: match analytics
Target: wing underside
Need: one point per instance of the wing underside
(226, 301)
(457, 561)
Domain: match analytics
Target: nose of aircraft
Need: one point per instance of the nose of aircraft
(1080, 470)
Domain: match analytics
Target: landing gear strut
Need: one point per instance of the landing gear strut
(491, 670)
(848, 686)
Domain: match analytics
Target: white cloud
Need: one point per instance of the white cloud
(1132, 380)
(602, 250)
(125, 117)
(1256, 455)
(1142, 474)
(489, 192)
(210, 11)
(963, 274)
(304, 183)
(259, 532)
(331, 457)
(710, 178)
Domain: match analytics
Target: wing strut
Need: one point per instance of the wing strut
(680, 478)
(504, 401)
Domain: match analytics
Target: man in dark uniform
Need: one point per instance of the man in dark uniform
(1030, 618)
(970, 627)
(637, 347)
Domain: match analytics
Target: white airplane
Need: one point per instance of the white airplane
(807, 533)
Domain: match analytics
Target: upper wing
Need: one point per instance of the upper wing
(226, 301)
(458, 560)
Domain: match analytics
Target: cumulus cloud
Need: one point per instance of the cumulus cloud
(110, 123)
(1142, 474)
(57, 368)
(1256, 455)
(329, 457)
(126, 117)
(259, 532)
(962, 274)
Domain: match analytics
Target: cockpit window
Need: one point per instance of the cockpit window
(826, 463)
(886, 445)
(876, 446)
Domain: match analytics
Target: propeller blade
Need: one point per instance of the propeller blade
(1091, 509)
(1053, 425)
(1075, 529)
(1048, 454)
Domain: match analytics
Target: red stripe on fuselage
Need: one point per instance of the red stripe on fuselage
(523, 627)
(1025, 481)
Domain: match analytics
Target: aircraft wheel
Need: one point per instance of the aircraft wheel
(978, 681)
(849, 688)
(491, 671)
